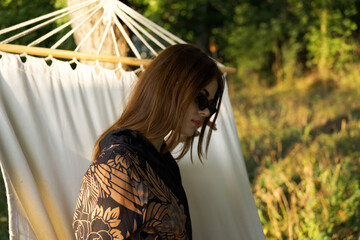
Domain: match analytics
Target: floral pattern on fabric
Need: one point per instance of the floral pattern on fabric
(122, 197)
(102, 226)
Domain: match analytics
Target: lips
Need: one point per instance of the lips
(197, 123)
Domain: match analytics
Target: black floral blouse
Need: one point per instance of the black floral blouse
(131, 191)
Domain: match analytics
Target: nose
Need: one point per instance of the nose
(205, 112)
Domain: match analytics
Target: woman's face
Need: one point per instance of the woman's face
(194, 116)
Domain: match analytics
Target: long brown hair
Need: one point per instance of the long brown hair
(163, 93)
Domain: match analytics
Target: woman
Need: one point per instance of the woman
(132, 189)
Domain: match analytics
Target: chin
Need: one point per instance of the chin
(188, 133)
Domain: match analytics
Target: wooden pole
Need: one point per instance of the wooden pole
(57, 53)
(66, 54)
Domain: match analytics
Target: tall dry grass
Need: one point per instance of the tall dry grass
(301, 142)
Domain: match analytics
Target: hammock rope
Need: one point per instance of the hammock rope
(147, 32)
(131, 24)
(58, 29)
(146, 22)
(66, 36)
(117, 51)
(128, 40)
(108, 25)
(21, 34)
(43, 17)
(89, 33)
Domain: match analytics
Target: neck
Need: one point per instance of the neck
(157, 143)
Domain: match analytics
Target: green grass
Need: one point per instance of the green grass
(301, 143)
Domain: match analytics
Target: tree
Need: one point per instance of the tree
(330, 39)
(17, 11)
(279, 38)
(196, 22)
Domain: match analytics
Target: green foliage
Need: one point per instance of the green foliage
(193, 21)
(280, 39)
(300, 143)
(257, 35)
(18, 11)
(330, 36)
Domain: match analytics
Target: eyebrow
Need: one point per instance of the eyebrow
(206, 92)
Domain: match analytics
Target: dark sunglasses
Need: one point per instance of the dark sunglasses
(203, 103)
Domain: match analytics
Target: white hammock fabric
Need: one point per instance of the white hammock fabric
(50, 118)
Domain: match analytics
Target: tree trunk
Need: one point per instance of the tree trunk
(92, 44)
(277, 64)
(323, 61)
(202, 30)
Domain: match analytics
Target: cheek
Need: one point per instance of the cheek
(191, 111)
(193, 108)
(190, 114)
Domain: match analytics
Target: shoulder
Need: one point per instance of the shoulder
(119, 143)
(114, 151)
(126, 143)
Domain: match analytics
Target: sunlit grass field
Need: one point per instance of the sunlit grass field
(301, 142)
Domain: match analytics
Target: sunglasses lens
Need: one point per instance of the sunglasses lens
(203, 103)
